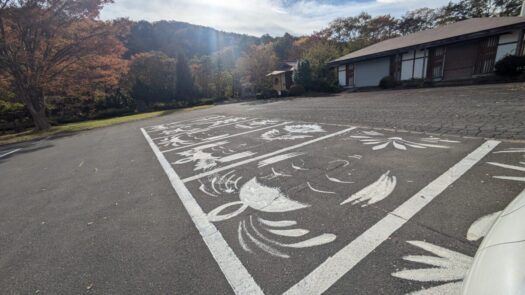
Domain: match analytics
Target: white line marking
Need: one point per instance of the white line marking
(193, 120)
(221, 138)
(8, 153)
(237, 275)
(336, 266)
(198, 176)
(207, 129)
(278, 159)
(517, 168)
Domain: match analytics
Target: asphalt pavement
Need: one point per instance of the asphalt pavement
(336, 195)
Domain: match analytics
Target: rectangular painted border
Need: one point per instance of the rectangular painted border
(237, 275)
(335, 267)
(331, 270)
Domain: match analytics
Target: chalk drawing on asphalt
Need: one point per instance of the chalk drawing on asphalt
(279, 158)
(265, 234)
(480, 228)
(292, 132)
(318, 190)
(205, 159)
(378, 141)
(375, 192)
(510, 167)
(446, 266)
(259, 197)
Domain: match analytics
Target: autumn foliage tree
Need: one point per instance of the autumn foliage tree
(58, 46)
(257, 63)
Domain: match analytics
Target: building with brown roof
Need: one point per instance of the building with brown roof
(462, 50)
(282, 79)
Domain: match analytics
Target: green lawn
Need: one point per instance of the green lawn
(86, 125)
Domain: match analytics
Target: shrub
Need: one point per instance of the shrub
(270, 93)
(267, 93)
(387, 82)
(510, 66)
(284, 93)
(297, 90)
(325, 85)
(14, 116)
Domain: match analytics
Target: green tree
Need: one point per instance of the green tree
(184, 80)
(303, 74)
(282, 46)
(318, 55)
(417, 20)
(255, 64)
(151, 78)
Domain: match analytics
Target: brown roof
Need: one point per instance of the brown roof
(466, 27)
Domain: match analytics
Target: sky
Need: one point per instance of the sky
(258, 17)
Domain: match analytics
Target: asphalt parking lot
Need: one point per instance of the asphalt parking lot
(246, 199)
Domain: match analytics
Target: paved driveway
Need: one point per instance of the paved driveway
(277, 197)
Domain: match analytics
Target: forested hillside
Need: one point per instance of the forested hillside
(172, 38)
(59, 62)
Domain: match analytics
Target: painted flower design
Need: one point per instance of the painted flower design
(263, 234)
(293, 132)
(379, 141)
(446, 266)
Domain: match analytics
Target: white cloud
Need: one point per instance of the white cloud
(257, 17)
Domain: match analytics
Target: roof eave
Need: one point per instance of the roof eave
(436, 43)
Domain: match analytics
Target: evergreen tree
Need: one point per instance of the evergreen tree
(303, 74)
(184, 80)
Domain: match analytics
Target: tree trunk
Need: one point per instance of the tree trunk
(35, 102)
(40, 119)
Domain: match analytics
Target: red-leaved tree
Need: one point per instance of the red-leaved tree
(50, 46)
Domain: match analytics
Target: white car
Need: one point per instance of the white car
(499, 264)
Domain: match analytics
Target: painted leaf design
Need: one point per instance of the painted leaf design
(447, 265)
(375, 192)
(267, 199)
(481, 227)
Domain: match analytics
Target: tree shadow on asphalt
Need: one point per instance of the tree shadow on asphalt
(23, 148)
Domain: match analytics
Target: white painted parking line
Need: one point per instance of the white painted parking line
(188, 120)
(237, 275)
(221, 138)
(335, 267)
(8, 153)
(209, 128)
(293, 147)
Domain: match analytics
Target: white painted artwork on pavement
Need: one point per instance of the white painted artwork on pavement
(259, 197)
(265, 199)
(266, 210)
(174, 141)
(208, 159)
(255, 124)
(481, 227)
(292, 132)
(445, 266)
(379, 141)
(510, 167)
(375, 192)
(254, 233)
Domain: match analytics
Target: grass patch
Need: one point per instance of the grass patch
(86, 125)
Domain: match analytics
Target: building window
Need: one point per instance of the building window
(487, 53)
(350, 75)
(436, 63)
(341, 71)
(414, 64)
